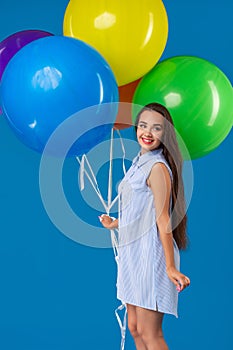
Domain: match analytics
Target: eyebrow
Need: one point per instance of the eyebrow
(141, 121)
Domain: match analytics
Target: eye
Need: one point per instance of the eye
(157, 128)
(141, 126)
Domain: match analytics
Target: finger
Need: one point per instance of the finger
(181, 286)
(184, 283)
(177, 284)
(103, 217)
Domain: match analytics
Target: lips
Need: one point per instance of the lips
(147, 141)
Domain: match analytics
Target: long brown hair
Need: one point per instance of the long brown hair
(169, 145)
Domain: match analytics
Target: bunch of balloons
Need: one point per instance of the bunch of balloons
(109, 52)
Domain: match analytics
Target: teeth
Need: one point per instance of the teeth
(147, 140)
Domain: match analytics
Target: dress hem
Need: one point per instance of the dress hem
(149, 308)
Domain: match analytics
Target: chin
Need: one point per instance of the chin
(149, 147)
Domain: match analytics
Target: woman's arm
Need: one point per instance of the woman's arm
(160, 183)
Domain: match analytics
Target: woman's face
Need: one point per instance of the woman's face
(150, 130)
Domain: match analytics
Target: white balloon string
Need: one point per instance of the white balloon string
(114, 201)
(81, 172)
(114, 245)
(92, 172)
(123, 151)
(110, 172)
(114, 239)
(122, 324)
(94, 185)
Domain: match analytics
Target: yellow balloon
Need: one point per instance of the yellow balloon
(130, 34)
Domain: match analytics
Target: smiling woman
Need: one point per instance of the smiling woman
(152, 229)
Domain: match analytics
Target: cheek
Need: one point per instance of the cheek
(159, 136)
(138, 134)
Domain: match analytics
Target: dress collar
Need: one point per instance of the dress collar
(141, 159)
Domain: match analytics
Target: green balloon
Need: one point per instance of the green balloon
(198, 96)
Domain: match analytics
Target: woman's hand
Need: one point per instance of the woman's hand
(108, 222)
(179, 279)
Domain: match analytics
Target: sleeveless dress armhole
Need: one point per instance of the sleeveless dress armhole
(148, 168)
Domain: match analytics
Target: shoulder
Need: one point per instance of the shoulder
(159, 175)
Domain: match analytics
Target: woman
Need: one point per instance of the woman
(152, 229)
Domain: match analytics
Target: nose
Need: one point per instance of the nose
(148, 130)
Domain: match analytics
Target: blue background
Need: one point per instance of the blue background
(57, 294)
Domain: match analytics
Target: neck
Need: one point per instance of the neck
(143, 151)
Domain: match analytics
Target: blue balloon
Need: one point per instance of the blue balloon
(51, 79)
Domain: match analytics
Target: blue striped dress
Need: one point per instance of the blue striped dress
(141, 277)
